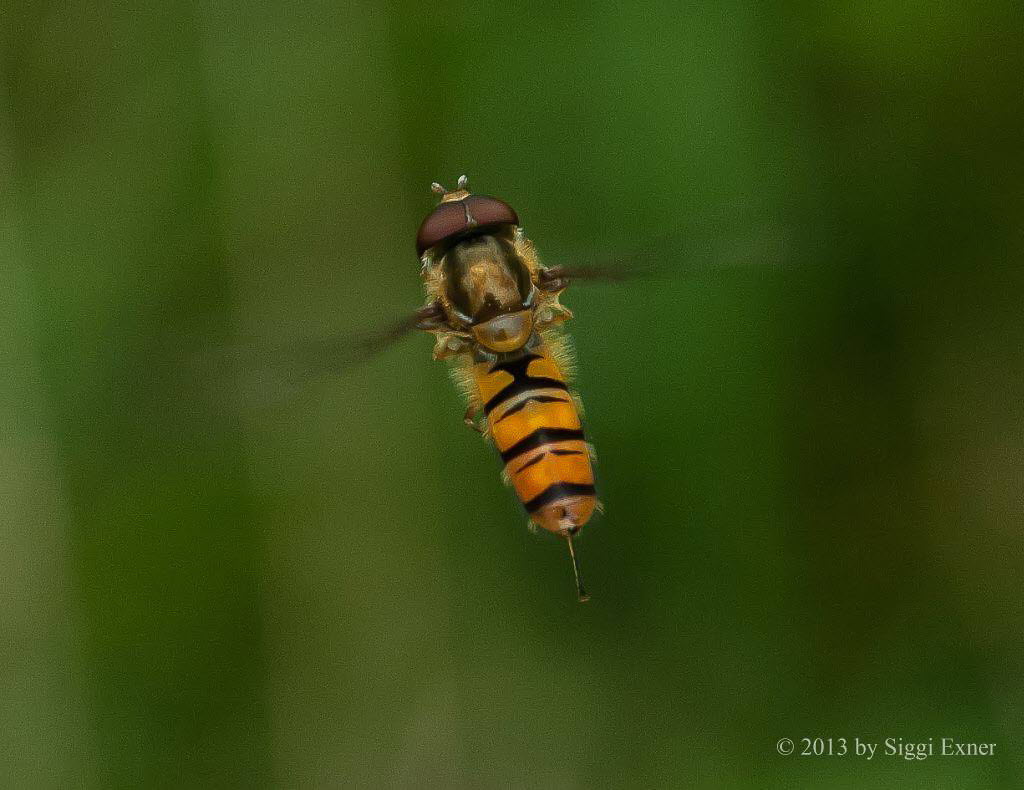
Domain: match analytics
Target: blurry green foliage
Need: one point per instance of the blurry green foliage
(811, 467)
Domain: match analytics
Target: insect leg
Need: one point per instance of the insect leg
(430, 318)
(472, 412)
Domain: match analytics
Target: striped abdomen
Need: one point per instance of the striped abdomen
(537, 430)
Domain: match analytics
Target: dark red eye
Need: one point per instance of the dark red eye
(452, 219)
(491, 211)
(448, 219)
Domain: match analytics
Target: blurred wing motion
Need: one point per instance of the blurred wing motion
(265, 372)
(323, 356)
(700, 252)
(556, 278)
(269, 372)
(329, 354)
(696, 252)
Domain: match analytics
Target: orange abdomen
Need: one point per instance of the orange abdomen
(536, 428)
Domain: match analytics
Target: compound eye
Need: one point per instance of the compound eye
(490, 211)
(445, 221)
(455, 217)
(505, 332)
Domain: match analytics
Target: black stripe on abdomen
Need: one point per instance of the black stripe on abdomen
(540, 437)
(521, 380)
(519, 386)
(557, 491)
(540, 457)
(535, 460)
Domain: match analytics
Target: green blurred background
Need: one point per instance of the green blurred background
(810, 435)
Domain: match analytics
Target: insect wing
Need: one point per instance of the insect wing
(692, 253)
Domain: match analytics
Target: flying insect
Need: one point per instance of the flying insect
(494, 310)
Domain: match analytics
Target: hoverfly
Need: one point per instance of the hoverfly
(495, 313)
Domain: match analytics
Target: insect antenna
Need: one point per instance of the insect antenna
(583, 596)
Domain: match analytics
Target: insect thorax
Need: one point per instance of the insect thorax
(485, 277)
(486, 285)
